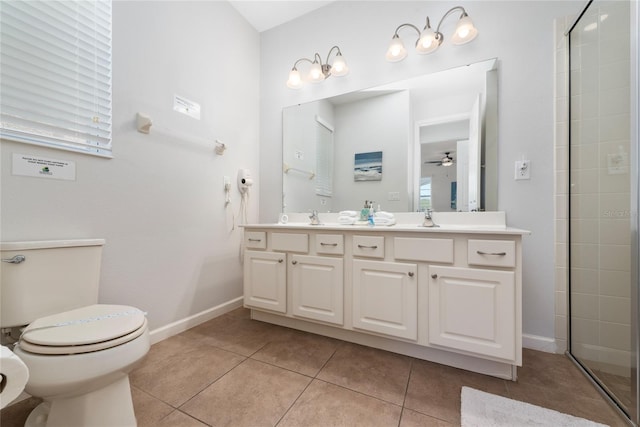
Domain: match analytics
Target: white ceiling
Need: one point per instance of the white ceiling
(266, 14)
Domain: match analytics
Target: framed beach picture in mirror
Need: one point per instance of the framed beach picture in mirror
(368, 166)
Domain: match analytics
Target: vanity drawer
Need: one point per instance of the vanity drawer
(255, 240)
(430, 250)
(368, 246)
(330, 244)
(494, 253)
(290, 242)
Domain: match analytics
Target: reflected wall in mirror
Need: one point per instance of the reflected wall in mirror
(437, 134)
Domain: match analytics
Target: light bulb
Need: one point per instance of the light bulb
(396, 51)
(295, 81)
(465, 31)
(339, 67)
(428, 41)
(315, 73)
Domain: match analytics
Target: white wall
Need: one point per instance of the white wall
(366, 126)
(519, 34)
(159, 203)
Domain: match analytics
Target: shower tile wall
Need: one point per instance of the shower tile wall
(600, 190)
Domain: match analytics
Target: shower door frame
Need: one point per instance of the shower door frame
(633, 411)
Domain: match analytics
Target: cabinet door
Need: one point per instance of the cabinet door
(385, 298)
(473, 310)
(317, 288)
(265, 281)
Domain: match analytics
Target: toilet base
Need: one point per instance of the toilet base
(106, 407)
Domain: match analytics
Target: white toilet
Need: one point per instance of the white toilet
(79, 353)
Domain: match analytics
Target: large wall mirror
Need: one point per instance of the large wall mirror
(425, 143)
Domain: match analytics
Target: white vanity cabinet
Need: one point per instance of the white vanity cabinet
(448, 295)
(285, 279)
(385, 293)
(473, 310)
(265, 280)
(477, 309)
(385, 298)
(317, 290)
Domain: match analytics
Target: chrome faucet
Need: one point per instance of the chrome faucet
(428, 219)
(315, 220)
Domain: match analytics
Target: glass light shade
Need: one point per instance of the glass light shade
(465, 31)
(315, 73)
(428, 42)
(339, 67)
(396, 51)
(447, 162)
(295, 81)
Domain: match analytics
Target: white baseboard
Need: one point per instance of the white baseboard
(535, 342)
(182, 325)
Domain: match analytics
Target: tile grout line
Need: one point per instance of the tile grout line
(205, 387)
(294, 402)
(173, 408)
(188, 415)
(307, 386)
(406, 390)
(360, 393)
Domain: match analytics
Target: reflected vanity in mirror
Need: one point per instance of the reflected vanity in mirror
(436, 136)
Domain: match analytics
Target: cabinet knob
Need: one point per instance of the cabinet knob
(294, 262)
(434, 276)
(410, 274)
(280, 260)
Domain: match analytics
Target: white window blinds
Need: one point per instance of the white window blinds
(324, 158)
(55, 74)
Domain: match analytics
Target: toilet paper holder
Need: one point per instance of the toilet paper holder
(13, 378)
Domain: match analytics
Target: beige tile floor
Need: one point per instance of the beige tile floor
(232, 371)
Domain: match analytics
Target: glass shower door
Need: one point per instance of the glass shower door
(600, 246)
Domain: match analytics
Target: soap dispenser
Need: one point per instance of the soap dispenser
(364, 213)
(370, 220)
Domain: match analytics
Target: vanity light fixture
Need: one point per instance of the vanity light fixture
(429, 40)
(319, 71)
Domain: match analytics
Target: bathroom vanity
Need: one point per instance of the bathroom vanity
(449, 294)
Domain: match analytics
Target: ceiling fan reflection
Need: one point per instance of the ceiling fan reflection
(447, 160)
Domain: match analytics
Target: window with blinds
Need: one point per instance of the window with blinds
(324, 158)
(55, 74)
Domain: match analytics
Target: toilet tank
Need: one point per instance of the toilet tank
(55, 276)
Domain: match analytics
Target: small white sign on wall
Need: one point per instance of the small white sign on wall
(42, 167)
(185, 106)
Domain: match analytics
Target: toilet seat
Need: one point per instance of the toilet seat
(88, 329)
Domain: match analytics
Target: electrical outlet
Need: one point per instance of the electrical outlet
(523, 169)
(393, 196)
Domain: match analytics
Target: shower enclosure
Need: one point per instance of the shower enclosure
(603, 199)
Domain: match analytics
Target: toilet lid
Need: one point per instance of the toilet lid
(86, 329)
